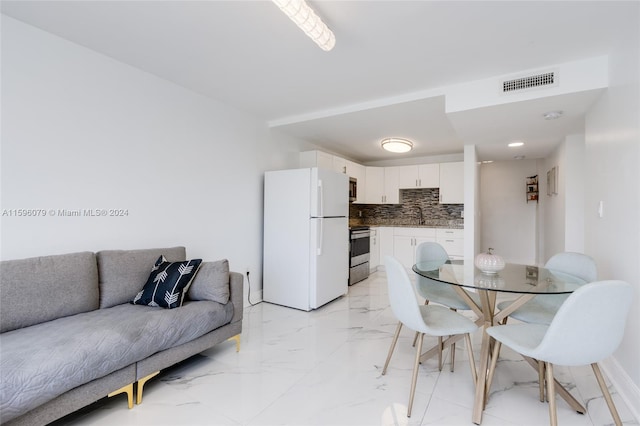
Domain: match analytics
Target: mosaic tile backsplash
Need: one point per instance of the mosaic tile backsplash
(417, 207)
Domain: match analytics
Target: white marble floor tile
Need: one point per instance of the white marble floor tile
(325, 368)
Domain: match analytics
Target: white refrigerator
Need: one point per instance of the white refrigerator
(306, 237)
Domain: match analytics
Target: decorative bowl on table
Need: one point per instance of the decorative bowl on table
(489, 263)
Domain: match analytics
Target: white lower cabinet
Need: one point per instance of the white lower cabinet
(453, 242)
(407, 240)
(374, 249)
(385, 240)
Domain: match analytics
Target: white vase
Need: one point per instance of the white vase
(489, 263)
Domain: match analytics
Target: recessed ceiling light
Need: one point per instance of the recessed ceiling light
(514, 144)
(397, 145)
(487, 161)
(519, 157)
(552, 115)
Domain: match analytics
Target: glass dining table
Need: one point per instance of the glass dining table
(523, 282)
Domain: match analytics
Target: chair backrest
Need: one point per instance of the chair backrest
(577, 264)
(589, 325)
(430, 252)
(402, 297)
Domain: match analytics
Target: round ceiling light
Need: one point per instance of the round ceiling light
(398, 145)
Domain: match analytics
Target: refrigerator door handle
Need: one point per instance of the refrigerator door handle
(320, 199)
(320, 236)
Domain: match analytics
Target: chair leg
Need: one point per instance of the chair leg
(453, 356)
(440, 347)
(414, 379)
(551, 394)
(472, 361)
(453, 349)
(492, 368)
(393, 346)
(606, 394)
(541, 380)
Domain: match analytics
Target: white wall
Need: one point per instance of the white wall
(552, 207)
(612, 138)
(508, 222)
(562, 218)
(574, 186)
(82, 131)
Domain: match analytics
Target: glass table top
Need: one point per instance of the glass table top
(514, 278)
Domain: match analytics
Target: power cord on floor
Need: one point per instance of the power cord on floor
(249, 292)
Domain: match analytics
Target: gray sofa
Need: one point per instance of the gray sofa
(70, 336)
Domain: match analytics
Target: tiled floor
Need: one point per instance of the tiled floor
(324, 368)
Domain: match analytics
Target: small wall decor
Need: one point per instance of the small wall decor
(552, 181)
(532, 188)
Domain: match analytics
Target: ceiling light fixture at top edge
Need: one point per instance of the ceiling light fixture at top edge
(307, 20)
(552, 115)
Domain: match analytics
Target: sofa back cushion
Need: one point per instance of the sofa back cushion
(211, 282)
(123, 273)
(41, 289)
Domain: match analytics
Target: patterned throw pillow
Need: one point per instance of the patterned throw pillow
(168, 283)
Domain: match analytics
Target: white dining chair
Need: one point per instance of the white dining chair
(433, 320)
(437, 292)
(542, 308)
(586, 329)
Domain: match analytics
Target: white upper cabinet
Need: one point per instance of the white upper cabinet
(359, 172)
(391, 187)
(318, 159)
(419, 176)
(374, 190)
(452, 183)
(382, 185)
(339, 165)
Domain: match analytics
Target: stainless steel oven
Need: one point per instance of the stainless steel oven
(359, 238)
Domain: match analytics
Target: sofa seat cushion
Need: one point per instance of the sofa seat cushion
(43, 361)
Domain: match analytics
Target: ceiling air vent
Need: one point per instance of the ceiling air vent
(545, 79)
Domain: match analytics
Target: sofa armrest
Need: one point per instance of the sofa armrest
(236, 288)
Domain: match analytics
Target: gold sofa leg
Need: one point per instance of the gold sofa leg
(237, 339)
(128, 389)
(141, 383)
